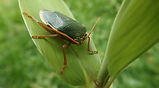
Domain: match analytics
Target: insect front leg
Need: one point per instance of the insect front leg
(65, 60)
(89, 46)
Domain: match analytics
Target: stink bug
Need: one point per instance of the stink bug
(59, 25)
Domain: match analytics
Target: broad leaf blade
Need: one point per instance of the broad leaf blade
(134, 31)
(81, 65)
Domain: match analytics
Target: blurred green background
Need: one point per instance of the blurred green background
(22, 66)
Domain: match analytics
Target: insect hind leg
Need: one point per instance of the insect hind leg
(30, 17)
(45, 36)
(41, 24)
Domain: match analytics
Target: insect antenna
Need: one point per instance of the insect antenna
(93, 27)
(91, 30)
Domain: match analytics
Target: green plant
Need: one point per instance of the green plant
(134, 31)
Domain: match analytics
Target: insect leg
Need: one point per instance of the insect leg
(65, 60)
(89, 46)
(45, 36)
(41, 24)
(50, 29)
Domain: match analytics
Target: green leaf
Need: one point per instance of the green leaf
(81, 66)
(135, 30)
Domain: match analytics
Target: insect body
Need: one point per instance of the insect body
(59, 25)
(63, 24)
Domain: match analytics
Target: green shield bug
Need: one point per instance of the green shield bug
(59, 25)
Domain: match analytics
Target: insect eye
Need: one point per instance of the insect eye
(75, 39)
(85, 35)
